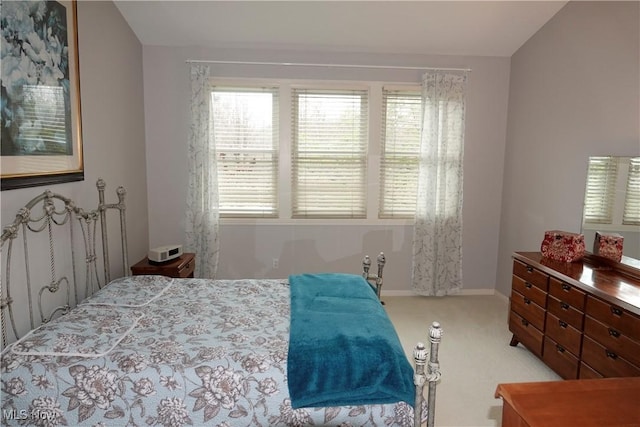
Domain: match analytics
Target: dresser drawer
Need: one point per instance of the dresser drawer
(531, 275)
(528, 290)
(528, 309)
(567, 293)
(605, 361)
(563, 333)
(615, 317)
(587, 372)
(565, 312)
(526, 333)
(613, 340)
(561, 360)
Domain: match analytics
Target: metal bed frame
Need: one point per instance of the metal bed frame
(50, 211)
(420, 353)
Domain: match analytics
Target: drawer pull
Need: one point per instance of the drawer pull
(566, 287)
(611, 355)
(527, 301)
(564, 306)
(560, 348)
(614, 333)
(529, 269)
(563, 324)
(527, 285)
(616, 311)
(525, 322)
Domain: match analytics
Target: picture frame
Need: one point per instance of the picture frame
(41, 113)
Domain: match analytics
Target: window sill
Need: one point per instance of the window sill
(316, 222)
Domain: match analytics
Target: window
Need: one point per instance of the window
(43, 129)
(295, 149)
(612, 197)
(401, 129)
(631, 214)
(245, 131)
(600, 192)
(329, 153)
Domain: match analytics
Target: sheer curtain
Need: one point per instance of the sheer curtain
(202, 216)
(437, 238)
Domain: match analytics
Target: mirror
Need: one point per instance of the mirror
(612, 203)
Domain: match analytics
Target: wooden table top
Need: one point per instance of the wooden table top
(584, 403)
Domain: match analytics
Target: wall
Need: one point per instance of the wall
(248, 250)
(112, 123)
(574, 93)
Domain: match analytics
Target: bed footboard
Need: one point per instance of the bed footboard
(431, 376)
(375, 280)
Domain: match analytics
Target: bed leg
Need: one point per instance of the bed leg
(435, 336)
(432, 376)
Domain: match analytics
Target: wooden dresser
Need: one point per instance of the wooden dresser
(581, 318)
(586, 403)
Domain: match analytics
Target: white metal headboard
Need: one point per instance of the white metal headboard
(63, 222)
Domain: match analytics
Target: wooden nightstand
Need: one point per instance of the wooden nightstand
(179, 267)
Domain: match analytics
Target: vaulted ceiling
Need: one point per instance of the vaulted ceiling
(483, 28)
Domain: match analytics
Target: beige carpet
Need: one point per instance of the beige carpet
(475, 355)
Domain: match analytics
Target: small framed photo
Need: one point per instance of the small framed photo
(41, 116)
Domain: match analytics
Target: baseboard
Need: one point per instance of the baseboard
(463, 292)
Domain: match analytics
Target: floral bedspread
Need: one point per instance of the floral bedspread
(200, 352)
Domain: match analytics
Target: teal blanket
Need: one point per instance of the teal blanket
(343, 349)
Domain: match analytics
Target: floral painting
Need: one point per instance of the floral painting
(40, 109)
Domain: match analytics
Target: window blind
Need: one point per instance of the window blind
(245, 132)
(329, 153)
(401, 129)
(631, 214)
(600, 191)
(44, 129)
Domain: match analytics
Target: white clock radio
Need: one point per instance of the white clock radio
(164, 253)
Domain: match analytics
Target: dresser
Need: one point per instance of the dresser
(581, 318)
(610, 402)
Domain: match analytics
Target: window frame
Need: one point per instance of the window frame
(228, 87)
(284, 190)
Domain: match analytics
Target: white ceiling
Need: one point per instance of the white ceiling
(483, 28)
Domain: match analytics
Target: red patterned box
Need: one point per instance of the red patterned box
(608, 245)
(562, 246)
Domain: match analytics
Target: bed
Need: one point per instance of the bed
(115, 349)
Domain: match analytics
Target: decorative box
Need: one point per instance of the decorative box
(562, 246)
(608, 245)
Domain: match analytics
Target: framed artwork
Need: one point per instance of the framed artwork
(41, 121)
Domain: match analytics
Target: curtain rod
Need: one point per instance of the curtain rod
(304, 64)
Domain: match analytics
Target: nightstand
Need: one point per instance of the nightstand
(180, 267)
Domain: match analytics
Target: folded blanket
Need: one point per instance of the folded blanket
(343, 349)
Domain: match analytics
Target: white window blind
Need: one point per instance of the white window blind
(329, 153)
(631, 214)
(401, 124)
(245, 132)
(44, 128)
(600, 191)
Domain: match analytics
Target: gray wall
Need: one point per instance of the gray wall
(247, 249)
(112, 123)
(574, 93)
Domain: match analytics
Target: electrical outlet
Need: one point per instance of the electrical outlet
(276, 262)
